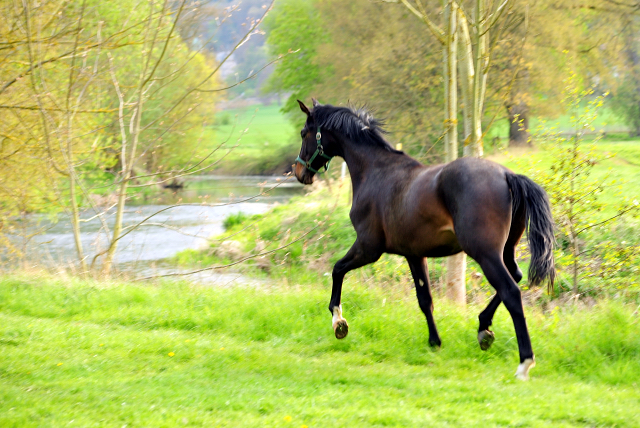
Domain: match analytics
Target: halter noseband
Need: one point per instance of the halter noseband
(319, 152)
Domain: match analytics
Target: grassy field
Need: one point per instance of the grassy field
(266, 140)
(84, 354)
(101, 354)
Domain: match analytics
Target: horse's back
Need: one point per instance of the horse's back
(468, 173)
(455, 184)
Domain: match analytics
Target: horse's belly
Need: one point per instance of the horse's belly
(443, 251)
(425, 242)
(418, 224)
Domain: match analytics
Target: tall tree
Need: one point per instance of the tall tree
(295, 28)
(530, 62)
(626, 96)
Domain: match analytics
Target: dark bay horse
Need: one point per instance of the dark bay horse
(403, 207)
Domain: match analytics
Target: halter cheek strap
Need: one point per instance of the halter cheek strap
(319, 152)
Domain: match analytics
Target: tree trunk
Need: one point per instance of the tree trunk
(456, 265)
(450, 82)
(467, 77)
(518, 124)
(634, 128)
(481, 34)
(473, 83)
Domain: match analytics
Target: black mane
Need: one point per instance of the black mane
(357, 124)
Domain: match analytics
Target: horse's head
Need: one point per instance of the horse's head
(313, 157)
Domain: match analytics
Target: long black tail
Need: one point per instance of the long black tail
(540, 226)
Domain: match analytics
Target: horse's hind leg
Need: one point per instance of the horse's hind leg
(509, 293)
(486, 336)
(357, 256)
(421, 280)
(509, 253)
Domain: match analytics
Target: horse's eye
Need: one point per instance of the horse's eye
(303, 133)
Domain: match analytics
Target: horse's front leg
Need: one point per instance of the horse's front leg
(358, 256)
(423, 292)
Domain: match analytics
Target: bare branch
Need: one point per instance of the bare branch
(493, 18)
(621, 213)
(244, 39)
(437, 32)
(72, 53)
(166, 44)
(250, 76)
(167, 226)
(101, 111)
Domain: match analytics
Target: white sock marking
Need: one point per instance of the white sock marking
(337, 314)
(523, 369)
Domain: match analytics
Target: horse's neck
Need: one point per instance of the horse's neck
(361, 160)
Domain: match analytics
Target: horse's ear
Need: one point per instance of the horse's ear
(304, 108)
(315, 102)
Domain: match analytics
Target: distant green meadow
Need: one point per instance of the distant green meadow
(93, 354)
(259, 140)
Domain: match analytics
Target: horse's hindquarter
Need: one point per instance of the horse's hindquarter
(478, 199)
(415, 219)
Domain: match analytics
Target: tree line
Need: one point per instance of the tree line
(379, 52)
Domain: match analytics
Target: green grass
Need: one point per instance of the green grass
(97, 354)
(266, 140)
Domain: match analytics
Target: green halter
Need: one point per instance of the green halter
(319, 152)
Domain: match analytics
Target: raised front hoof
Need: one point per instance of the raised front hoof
(341, 328)
(485, 339)
(523, 369)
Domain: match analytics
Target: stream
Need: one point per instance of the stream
(145, 250)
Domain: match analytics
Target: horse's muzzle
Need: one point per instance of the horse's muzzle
(303, 175)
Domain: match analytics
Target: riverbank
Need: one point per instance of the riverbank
(78, 353)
